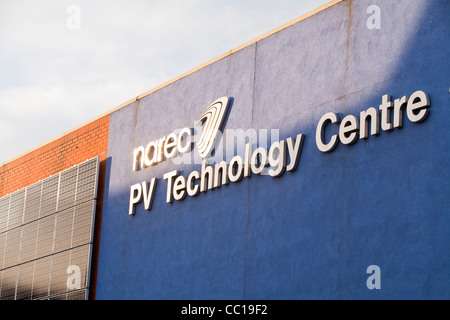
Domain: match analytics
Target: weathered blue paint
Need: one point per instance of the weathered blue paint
(310, 234)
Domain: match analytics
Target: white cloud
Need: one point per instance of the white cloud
(54, 78)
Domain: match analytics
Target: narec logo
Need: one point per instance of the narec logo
(252, 160)
(212, 121)
(282, 156)
(180, 142)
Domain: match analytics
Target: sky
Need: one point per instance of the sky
(63, 63)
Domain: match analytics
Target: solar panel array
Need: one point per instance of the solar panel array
(46, 235)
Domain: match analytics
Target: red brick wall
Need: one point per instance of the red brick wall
(72, 148)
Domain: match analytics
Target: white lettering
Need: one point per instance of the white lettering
(135, 197)
(150, 194)
(192, 310)
(222, 173)
(320, 133)
(418, 105)
(259, 160)
(294, 151)
(193, 189)
(164, 148)
(169, 177)
(417, 109)
(277, 159)
(374, 281)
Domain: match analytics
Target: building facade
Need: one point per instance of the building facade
(310, 163)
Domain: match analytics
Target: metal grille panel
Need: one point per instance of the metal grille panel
(46, 235)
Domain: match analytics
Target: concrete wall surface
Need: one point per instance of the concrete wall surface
(311, 233)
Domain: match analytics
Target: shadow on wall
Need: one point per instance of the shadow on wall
(312, 234)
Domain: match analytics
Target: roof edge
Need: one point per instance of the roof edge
(183, 75)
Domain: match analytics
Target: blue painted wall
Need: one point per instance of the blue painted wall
(312, 233)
